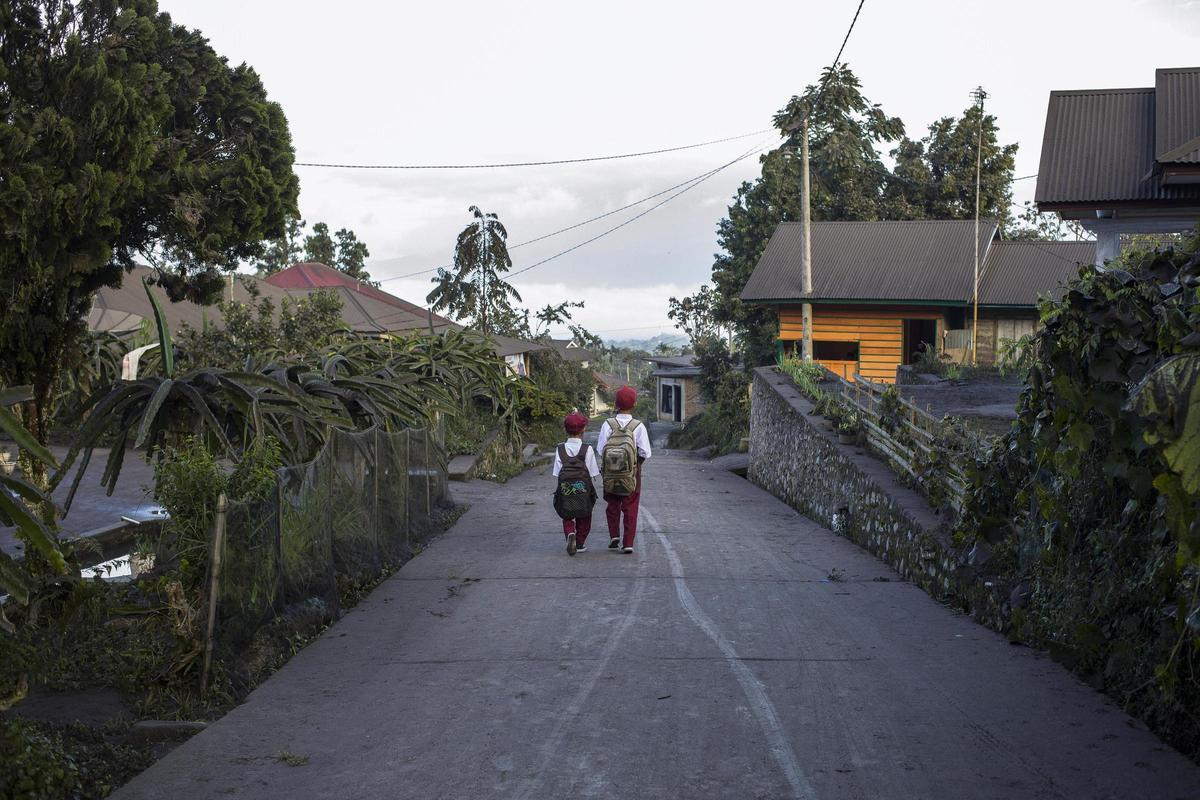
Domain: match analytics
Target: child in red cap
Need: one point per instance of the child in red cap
(574, 494)
(624, 445)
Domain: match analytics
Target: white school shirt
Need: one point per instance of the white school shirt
(572, 446)
(640, 437)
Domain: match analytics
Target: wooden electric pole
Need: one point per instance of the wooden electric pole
(806, 235)
(979, 95)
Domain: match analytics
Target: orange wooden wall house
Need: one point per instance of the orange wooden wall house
(884, 291)
(869, 340)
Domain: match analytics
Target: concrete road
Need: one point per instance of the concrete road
(93, 510)
(741, 652)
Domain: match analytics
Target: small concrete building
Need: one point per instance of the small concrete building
(677, 390)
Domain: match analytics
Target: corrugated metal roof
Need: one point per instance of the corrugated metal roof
(1018, 273)
(315, 275)
(911, 260)
(124, 309)
(672, 361)
(1100, 145)
(1177, 114)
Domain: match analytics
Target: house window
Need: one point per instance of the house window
(835, 351)
(666, 405)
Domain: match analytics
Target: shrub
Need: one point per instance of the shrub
(1094, 495)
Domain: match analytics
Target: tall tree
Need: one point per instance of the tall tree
(475, 290)
(282, 251)
(342, 251)
(352, 255)
(319, 245)
(122, 137)
(934, 178)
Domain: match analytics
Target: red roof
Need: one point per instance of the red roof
(315, 275)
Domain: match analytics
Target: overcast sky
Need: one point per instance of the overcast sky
(469, 82)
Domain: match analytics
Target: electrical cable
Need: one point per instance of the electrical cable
(638, 216)
(532, 163)
(696, 178)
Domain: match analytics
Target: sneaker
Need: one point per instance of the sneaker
(614, 543)
(626, 549)
(571, 548)
(580, 549)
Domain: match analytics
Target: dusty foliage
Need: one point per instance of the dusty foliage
(1090, 506)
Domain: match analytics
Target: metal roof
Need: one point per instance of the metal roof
(1177, 115)
(672, 361)
(571, 352)
(1102, 145)
(124, 309)
(1018, 273)
(902, 261)
(311, 275)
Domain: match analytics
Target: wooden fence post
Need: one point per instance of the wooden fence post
(214, 583)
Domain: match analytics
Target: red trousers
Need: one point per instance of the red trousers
(624, 508)
(580, 526)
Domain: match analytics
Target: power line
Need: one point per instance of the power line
(694, 179)
(636, 217)
(687, 185)
(532, 163)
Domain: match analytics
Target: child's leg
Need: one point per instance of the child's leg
(629, 511)
(613, 514)
(568, 527)
(583, 526)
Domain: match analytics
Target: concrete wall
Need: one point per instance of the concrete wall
(856, 495)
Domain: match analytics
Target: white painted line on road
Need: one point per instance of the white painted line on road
(756, 693)
(553, 743)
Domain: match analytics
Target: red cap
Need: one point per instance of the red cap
(626, 398)
(575, 423)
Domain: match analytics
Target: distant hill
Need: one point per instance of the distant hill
(673, 339)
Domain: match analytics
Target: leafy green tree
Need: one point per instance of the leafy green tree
(351, 255)
(255, 332)
(694, 315)
(123, 137)
(1031, 225)
(319, 246)
(281, 252)
(475, 290)
(934, 178)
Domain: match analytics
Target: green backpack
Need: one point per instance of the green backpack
(620, 459)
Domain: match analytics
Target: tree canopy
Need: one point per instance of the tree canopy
(123, 137)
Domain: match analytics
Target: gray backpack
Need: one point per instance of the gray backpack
(620, 459)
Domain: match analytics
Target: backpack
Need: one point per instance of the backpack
(575, 495)
(620, 459)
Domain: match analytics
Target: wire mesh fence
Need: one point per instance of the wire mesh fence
(356, 507)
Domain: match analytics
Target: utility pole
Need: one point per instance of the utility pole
(979, 95)
(806, 235)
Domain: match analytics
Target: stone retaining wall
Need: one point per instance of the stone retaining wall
(793, 456)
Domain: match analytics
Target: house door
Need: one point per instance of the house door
(919, 335)
(677, 402)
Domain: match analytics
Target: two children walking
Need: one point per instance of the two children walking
(624, 445)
